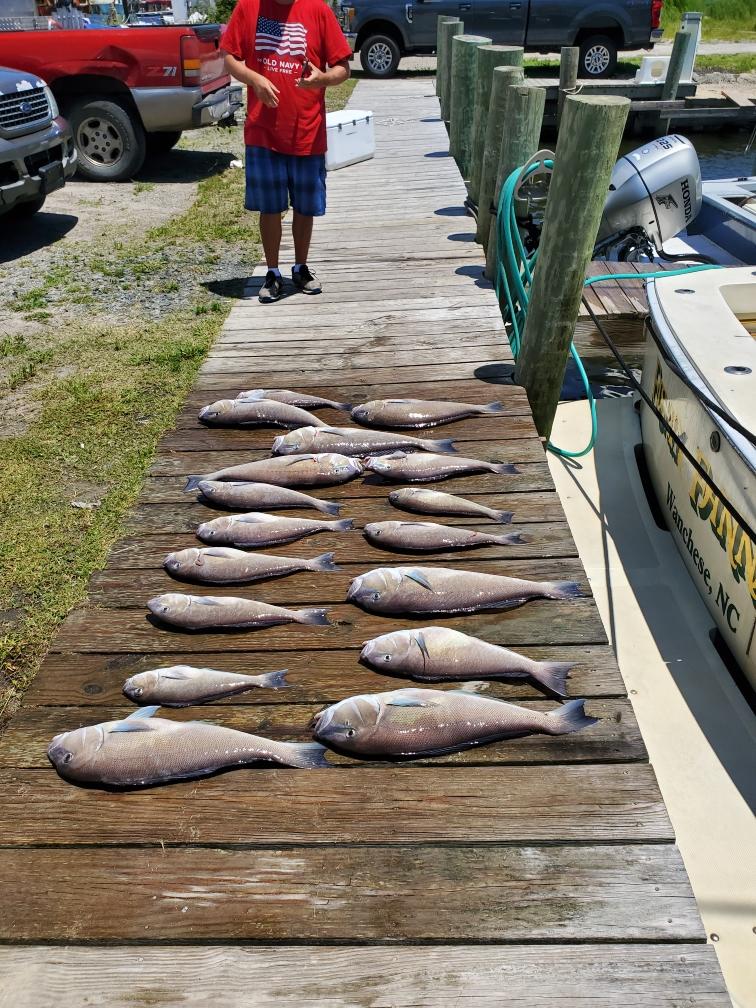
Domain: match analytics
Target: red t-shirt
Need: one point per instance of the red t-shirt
(273, 39)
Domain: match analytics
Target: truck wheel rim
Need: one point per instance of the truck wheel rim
(380, 57)
(99, 141)
(597, 59)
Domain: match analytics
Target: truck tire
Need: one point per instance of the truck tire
(598, 56)
(161, 143)
(109, 140)
(379, 56)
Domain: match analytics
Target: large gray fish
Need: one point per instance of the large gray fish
(434, 502)
(429, 722)
(418, 412)
(293, 398)
(353, 441)
(224, 565)
(322, 469)
(209, 612)
(183, 685)
(259, 529)
(142, 749)
(421, 467)
(261, 497)
(256, 413)
(437, 653)
(443, 590)
(428, 536)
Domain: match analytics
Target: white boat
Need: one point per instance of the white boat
(728, 217)
(700, 345)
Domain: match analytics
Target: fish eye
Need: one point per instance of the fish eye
(350, 733)
(137, 691)
(376, 532)
(376, 596)
(68, 757)
(387, 657)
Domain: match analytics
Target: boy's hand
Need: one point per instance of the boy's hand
(265, 92)
(312, 77)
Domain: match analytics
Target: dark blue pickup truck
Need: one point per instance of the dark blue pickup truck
(383, 31)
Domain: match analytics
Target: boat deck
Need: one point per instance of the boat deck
(545, 868)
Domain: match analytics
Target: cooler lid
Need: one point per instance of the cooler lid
(347, 116)
(712, 315)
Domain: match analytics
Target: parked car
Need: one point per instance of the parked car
(37, 153)
(127, 91)
(383, 31)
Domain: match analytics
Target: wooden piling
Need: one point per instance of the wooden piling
(569, 61)
(503, 77)
(487, 58)
(442, 50)
(523, 116)
(585, 155)
(462, 92)
(448, 30)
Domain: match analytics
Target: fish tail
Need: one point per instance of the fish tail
(564, 590)
(504, 468)
(510, 539)
(192, 482)
(324, 562)
(344, 525)
(569, 718)
(505, 517)
(304, 755)
(328, 507)
(552, 676)
(444, 445)
(275, 680)
(314, 617)
(347, 407)
(492, 407)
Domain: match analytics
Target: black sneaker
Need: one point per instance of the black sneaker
(272, 289)
(306, 281)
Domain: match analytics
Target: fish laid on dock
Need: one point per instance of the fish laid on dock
(257, 529)
(422, 590)
(307, 470)
(434, 502)
(429, 722)
(142, 749)
(429, 536)
(256, 413)
(225, 565)
(418, 412)
(437, 654)
(294, 399)
(262, 497)
(421, 467)
(183, 685)
(354, 441)
(209, 612)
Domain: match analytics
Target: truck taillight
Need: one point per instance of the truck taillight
(656, 9)
(191, 64)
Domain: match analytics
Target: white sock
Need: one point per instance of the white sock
(298, 266)
(276, 270)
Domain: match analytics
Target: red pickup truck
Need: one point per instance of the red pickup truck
(127, 91)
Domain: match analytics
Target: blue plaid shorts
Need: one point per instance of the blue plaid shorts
(273, 178)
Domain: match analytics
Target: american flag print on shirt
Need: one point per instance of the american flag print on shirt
(281, 37)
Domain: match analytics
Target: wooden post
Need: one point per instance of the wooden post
(672, 80)
(442, 50)
(569, 61)
(586, 151)
(503, 77)
(462, 85)
(523, 118)
(448, 30)
(487, 58)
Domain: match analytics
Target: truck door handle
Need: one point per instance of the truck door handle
(465, 6)
(515, 6)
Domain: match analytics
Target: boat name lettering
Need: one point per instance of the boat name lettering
(662, 403)
(739, 547)
(686, 534)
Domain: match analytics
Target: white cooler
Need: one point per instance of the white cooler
(351, 138)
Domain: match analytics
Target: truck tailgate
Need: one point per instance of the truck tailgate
(204, 45)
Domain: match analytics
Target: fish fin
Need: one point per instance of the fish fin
(504, 468)
(492, 407)
(219, 551)
(445, 445)
(329, 507)
(208, 600)
(564, 590)
(569, 718)
(302, 458)
(552, 676)
(344, 525)
(476, 686)
(143, 712)
(275, 680)
(419, 639)
(328, 429)
(306, 755)
(505, 517)
(252, 518)
(192, 482)
(418, 577)
(324, 562)
(173, 675)
(398, 400)
(252, 395)
(408, 701)
(130, 725)
(510, 539)
(314, 617)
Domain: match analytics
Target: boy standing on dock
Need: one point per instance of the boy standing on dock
(287, 52)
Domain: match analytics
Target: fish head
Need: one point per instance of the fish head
(383, 463)
(207, 487)
(74, 753)
(374, 530)
(388, 652)
(136, 686)
(183, 561)
(350, 724)
(342, 464)
(213, 530)
(172, 603)
(375, 587)
(300, 440)
(360, 413)
(216, 410)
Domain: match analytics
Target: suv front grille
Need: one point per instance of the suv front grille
(24, 111)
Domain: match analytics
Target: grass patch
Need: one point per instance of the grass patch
(734, 63)
(724, 20)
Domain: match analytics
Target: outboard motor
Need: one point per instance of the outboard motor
(654, 194)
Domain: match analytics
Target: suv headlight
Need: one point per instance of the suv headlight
(53, 104)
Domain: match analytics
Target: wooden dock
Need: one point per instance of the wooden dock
(539, 871)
